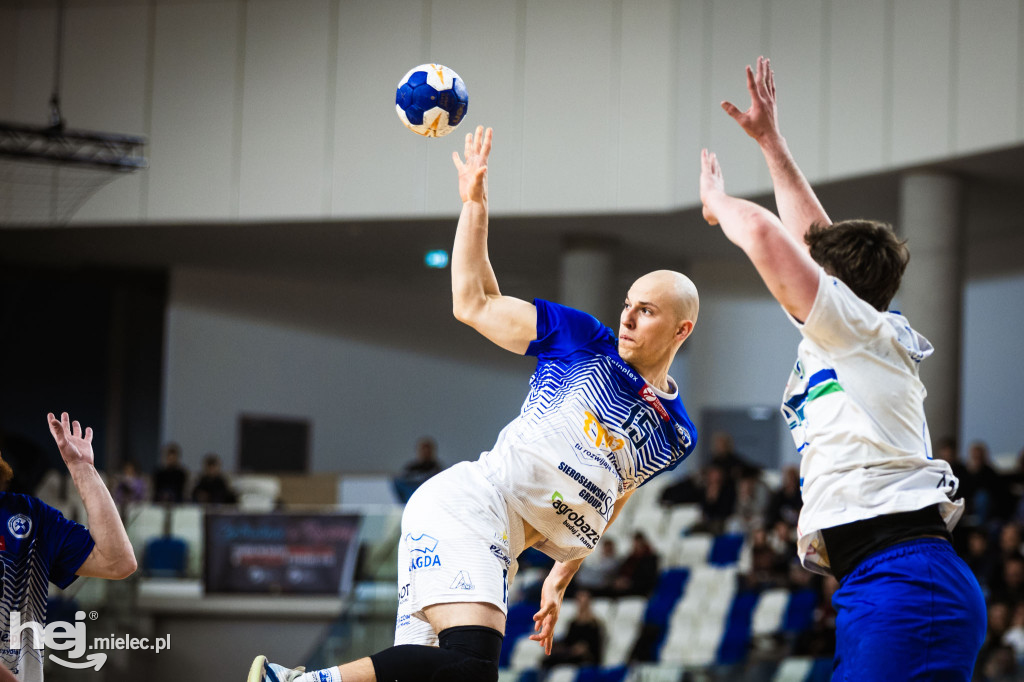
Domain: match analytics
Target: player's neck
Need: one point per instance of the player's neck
(656, 375)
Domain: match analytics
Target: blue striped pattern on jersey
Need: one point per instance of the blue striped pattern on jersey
(579, 368)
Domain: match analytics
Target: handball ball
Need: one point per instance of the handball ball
(431, 100)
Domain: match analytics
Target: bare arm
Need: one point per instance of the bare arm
(476, 300)
(784, 265)
(798, 206)
(554, 587)
(113, 556)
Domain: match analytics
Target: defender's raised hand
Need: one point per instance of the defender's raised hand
(473, 170)
(74, 445)
(761, 119)
(712, 184)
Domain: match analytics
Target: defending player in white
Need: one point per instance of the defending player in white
(878, 510)
(602, 417)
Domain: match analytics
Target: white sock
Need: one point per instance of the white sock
(325, 675)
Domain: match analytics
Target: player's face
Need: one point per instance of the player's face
(647, 326)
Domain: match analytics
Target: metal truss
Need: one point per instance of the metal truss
(74, 147)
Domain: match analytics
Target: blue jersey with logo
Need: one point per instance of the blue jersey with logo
(37, 546)
(590, 430)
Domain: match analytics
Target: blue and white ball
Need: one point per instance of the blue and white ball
(431, 100)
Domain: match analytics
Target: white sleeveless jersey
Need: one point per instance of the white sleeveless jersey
(855, 407)
(590, 430)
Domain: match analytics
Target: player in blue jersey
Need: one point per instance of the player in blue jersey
(878, 509)
(39, 546)
(603, 416)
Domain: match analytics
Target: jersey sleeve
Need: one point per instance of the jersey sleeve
(562, 330)
(68, 543)
(839, 319)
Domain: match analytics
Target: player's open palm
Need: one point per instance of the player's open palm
(712, 184)
(75, 445)
(473, 168)
(761, 119)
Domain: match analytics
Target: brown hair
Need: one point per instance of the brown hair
(6, 474)
(865, 254)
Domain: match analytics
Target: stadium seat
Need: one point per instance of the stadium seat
(736, 639)
(602, 674)
(657, 672)
(725, 550)
(165, 557)
(143, 522)
(800, 610)
(691, 550)
(669, 589)
(526, 654)
(794, 670)
(187, 524)
(562, 673)
(769, 612)
(681, 519)
(257, 492)
(621, 633)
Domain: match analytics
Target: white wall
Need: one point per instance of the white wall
(267, 109)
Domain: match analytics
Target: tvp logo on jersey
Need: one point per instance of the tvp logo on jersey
(422, 551)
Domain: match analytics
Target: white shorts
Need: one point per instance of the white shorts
(459, 544)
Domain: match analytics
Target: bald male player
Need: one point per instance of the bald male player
(878, 509)
(602, 417)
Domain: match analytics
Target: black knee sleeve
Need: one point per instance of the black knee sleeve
(466, 654)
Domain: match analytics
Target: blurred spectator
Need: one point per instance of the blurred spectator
(169, 480)
(584, 642)
(1014, 637)
(418, 470)
(724, 456)
(768, 569)
(996, 660)
(638, 572)
(986, 493)
(1010, 587)
(979, 557)
(717, 503)
(946, 450)
(783, 539)
(786, 503)
(597, 572)
(819, 641)
(129, 486)
(687, 490)
(752, 498)
(212, 487)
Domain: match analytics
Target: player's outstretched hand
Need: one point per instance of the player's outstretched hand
(761, 120)
(712, 184)
(74, 445)
(544, 620)
(473, 170)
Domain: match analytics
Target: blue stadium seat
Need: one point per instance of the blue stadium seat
(518, 623)
(726, 549)
(800, 611)
(821, 671)
(165, 557)
(596, 674)
(671, 584)
(736, 638)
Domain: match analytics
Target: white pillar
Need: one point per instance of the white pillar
(931, 295)
(587, 278)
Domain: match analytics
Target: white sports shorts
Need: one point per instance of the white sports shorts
(459, 544)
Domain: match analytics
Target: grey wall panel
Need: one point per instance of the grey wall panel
(646, 116)
(922, 86)
(378, 164)
(796, 52)
(8, 60)
(32, 79)
(858, 90)
(987, 74)
(692, 118)
(483, 46)
(569, 126)
(193, 173)
(737, 38)
(284, 111)
(105, 72)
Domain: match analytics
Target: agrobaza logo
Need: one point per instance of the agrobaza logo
(575, 520)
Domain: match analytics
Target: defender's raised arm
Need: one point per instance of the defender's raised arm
(798, 206)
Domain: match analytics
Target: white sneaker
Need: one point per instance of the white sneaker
(263, 670)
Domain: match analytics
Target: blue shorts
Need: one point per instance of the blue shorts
(913, 611)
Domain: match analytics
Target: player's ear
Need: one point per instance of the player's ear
(683, 330)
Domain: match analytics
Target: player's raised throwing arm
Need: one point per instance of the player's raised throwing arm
(476, 300)
(798, 206)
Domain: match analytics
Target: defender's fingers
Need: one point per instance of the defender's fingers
(732, 110)
(468, 151)
(76, 429)
(457, 161)
(486, 149)
(88, 434)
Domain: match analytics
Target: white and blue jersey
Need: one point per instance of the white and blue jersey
(37, 546)
(855, 408)
(590, 430)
